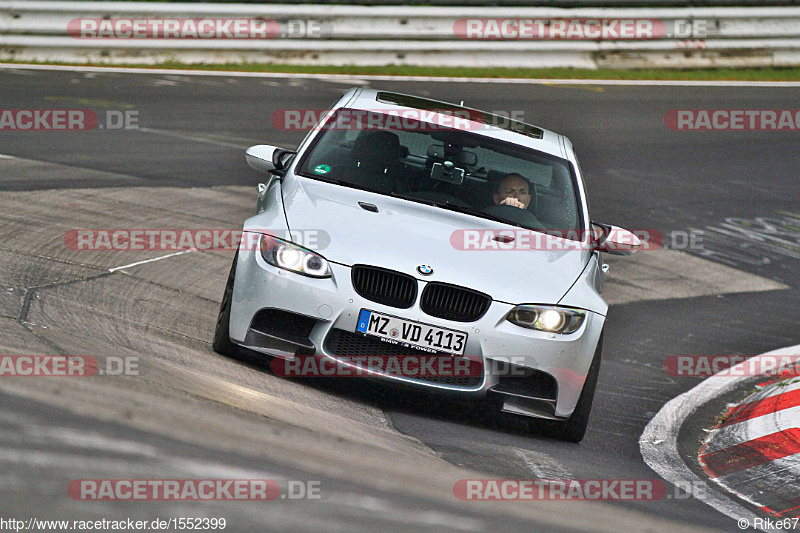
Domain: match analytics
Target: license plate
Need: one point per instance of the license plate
(411, 334)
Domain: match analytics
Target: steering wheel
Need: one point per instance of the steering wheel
(516, 215)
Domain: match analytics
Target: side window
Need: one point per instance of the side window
(314, 130)
(331, 149)
(416, 143)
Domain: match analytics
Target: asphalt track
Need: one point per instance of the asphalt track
(376, 451)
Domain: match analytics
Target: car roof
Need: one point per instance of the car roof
(496, 127)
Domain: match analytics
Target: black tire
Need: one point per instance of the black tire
(574, 429)
(222, 341)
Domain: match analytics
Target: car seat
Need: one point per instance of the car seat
(375, 160)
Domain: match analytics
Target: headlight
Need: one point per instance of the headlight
(547, 318)
(288, 256)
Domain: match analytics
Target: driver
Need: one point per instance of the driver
(513, 190)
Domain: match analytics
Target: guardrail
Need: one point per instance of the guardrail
(405, 35)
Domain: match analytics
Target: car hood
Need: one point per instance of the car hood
(403, 235)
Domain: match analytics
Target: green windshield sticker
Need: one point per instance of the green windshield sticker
(322, 169)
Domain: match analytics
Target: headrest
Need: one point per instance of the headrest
(378, 147)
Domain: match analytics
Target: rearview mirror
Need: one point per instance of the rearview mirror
(614, 240)
(268, 158)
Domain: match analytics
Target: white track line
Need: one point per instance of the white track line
(151, 260)
(371, 77)
(659, 441)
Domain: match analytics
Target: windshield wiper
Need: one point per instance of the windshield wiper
(413, 198)
(453, 206)
(343, 183)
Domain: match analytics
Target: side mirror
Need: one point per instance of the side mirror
(268, 158)
(614, 240)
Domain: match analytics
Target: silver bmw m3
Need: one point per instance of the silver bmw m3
(453, 251)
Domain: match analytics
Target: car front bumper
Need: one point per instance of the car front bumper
(534, 373)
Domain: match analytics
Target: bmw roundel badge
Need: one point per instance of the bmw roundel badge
(425, 270)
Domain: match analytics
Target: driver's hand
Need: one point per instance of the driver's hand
(513, 202)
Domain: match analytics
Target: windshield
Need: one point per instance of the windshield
(447, 167)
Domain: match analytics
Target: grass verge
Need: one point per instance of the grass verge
(748, 74)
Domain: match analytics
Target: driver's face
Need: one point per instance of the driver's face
(514, 187)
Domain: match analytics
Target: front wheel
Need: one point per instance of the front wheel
(222, 341)
(574, 428)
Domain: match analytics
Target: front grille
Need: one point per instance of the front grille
(345, 345)
(452, 302)
(385, 286)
